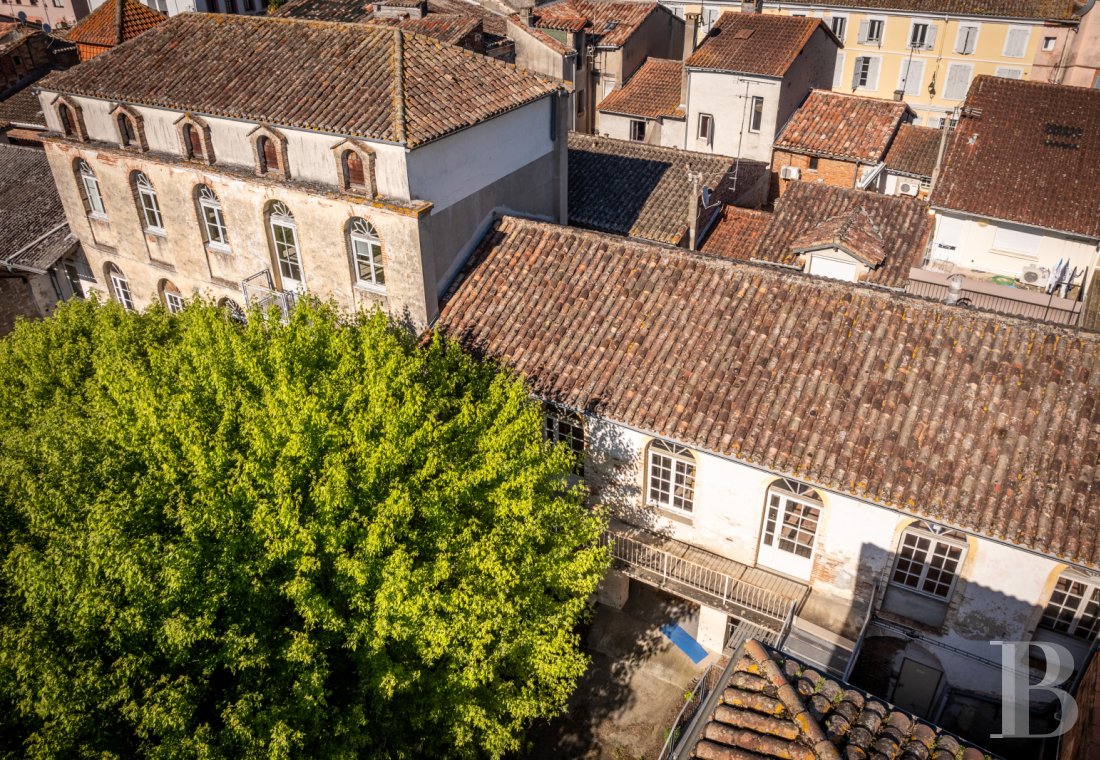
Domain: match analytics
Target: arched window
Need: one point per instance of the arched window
(929, 559)
(232, 310)
(213, 223)
(354, 174)
(560, 426)
(269, 155)
(173, 300)
(147, 203)
(366, 253)
(65, 114)
(126, 131)
(192, 142)
(120, 286)
(792, 512)
(1074, 606)
(284, 238)
(670, 476)
(89, 186)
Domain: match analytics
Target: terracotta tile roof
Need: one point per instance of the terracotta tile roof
(613, 23)
(556, 45)
(903, 224)
(445, 27)
(333, 77)
(100, 26)
(1037, 9)
(981, 422)
(843, 126)
(753, 43)
(22, 109)
(913, 151)
(33, 230)
(852, 232)
(736, 233)
(1026, 152)
(634, 189)
(358, 11)
(774, 706)
(655, 90)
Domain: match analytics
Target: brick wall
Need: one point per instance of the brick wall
(829, 171)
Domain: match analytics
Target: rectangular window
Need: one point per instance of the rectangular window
(637, 130)
(756, 117)
(561, 427)
(580, 102)
(1049, 43)
(814, 162)
(927, 563)
(174, 302)
(122, 291)
(838, 72)
(286, 252)
(918, 35)
(150, 210)
(671, 477)
(706, 127)
(1074, 609)
(91, 193)
(966, 40)
(1009, 72)
(839, 26)
(875, 28)
(790, 526)
(215, 224)
(958, 81)
(368, 261)
(865, 73)
(1016, 41)
(912, 76)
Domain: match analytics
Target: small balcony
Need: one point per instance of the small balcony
(259, 291)
(762, 602)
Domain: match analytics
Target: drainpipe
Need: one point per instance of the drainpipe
(943, 147)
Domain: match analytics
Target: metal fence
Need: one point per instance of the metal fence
(259, 290)
(693, 700)
(726, 588)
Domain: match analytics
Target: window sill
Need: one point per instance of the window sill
(97, 217)
(219, 248)
(155, 232)
(378, 290)
(676, 515)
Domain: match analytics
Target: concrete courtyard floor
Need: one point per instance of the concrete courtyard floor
(634, 687)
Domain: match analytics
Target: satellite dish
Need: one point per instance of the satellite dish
(46, 28)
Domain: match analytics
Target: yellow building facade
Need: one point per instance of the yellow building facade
(929, 58)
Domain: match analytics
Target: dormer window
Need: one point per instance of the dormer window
(67, 121)
(269, 152)
(192, 143)
(353, 170)
(71, 117)
(126, 131)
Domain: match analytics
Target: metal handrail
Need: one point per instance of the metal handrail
(697, 697)
(263, 294)
(714, 582)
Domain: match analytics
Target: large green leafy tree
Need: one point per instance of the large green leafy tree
(311, 539)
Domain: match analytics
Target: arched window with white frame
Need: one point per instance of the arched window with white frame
(213, 221)
(366, 255)
(120, 286)
(284, 240)
(170, 294)
(670, 476)
(1074, 606)
(148, 204)
(929, 560)
(89, 186)
(792, 514)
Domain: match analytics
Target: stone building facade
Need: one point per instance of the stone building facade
(169, 203)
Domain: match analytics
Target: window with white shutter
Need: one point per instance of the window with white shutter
(1009, 72)
(966, 40)
(1016, 41)
(864, 32)
(912, 76)
(958, 81)
(838, 72)
(873, 74)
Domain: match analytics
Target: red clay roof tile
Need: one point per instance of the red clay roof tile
(100, 26)
(655, 90)
(913, 151)
(843, 126)
(753, 43)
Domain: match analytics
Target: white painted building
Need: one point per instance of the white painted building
(883, 484)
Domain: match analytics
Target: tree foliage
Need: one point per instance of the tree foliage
(311, 539)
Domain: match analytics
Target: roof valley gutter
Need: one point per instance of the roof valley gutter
(828, 489)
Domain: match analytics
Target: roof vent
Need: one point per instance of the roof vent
(610, 26)
(742, 34)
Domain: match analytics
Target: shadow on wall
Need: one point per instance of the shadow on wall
(935, 659)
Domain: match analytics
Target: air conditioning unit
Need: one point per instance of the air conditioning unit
(790, 172)
(1034, 275)
(908, 188)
